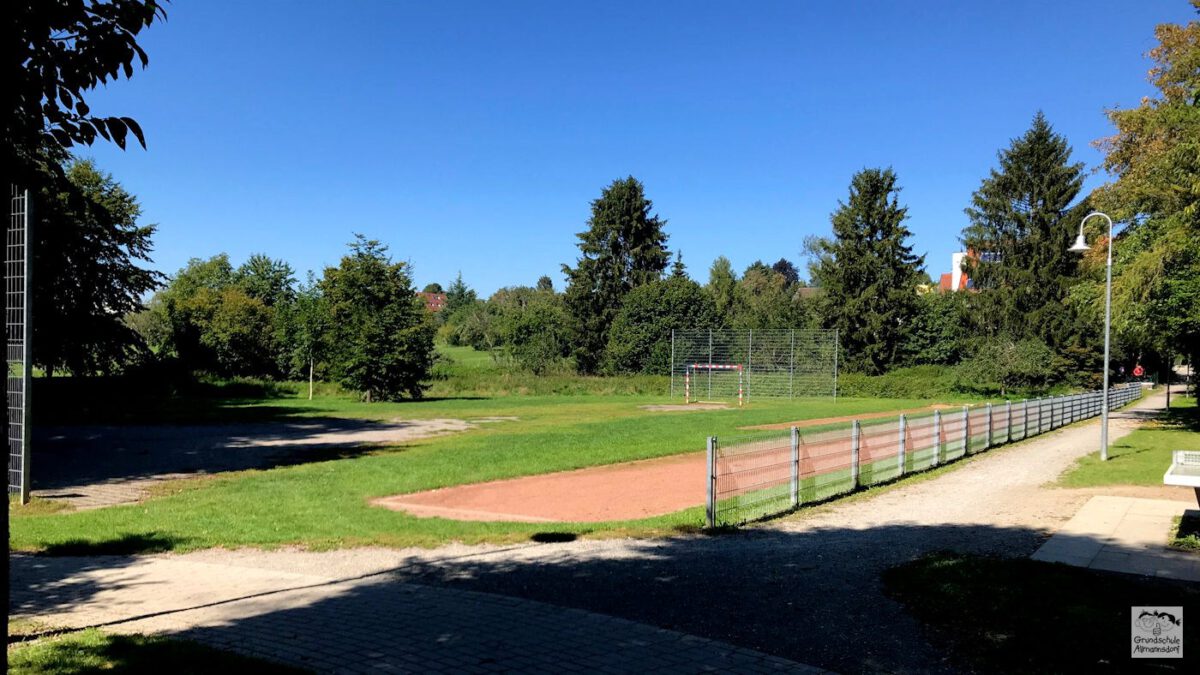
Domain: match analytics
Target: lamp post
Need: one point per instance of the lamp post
(1079, 247)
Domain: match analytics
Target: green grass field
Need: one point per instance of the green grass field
(325, 504)
(1143, 456)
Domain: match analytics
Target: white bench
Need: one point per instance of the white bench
(1184, 471)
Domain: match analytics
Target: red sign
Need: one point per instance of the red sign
(1138, 371)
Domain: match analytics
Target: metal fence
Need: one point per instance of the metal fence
(775, 363)
(764, 473)
(18, 297)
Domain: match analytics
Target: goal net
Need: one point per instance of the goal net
(730, 364)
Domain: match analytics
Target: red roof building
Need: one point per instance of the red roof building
(434, 302)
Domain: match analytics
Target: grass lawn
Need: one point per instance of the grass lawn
(1185, 534)
(1022, 616)
(92, 651)
(324, 504)
(1142, 457)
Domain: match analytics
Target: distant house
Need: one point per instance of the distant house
(956, 279)
(434, 302)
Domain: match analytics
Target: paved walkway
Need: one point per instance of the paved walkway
(1123, 534)
(367, 623)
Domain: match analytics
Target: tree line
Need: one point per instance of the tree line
(1033, 316)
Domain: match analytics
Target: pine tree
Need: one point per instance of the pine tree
(1022, 223)
(624, 247)
(869, 273)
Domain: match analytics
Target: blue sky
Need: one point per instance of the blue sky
(473, 135)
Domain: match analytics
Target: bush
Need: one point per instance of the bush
(913, 382)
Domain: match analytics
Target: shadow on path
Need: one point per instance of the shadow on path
(813, 597)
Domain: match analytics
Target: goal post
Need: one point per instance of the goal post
(782, 363)
(695, 368)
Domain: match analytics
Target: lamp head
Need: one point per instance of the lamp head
(1080, 244)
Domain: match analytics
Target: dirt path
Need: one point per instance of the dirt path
(93, 467)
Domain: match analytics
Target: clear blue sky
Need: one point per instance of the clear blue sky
(473, 135)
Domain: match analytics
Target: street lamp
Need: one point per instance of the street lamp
(1079, 247)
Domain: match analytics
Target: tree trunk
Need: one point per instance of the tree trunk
(310, 378)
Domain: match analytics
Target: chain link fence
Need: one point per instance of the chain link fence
(717, 364)
(765, 473)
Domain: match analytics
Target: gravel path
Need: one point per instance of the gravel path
(804, 588)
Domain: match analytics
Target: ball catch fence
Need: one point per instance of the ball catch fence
(724, 364)
(765, 473)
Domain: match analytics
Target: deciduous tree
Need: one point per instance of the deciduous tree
(381, 337)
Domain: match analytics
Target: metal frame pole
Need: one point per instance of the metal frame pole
(937, 437)
(836, 344)
(672, 363)
(900, 447)
(855, 444)
(27, 354)
(710, 503)
(1008, 422)
(966, 425)
(987, 441)
(749, 362)
(1024, 418)
(710, 360)
(792, 365)
(795, 467)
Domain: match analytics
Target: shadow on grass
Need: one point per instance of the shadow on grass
(129, 544)
(1020, 615)
(95, 652)
(1183, 419)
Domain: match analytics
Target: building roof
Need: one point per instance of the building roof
(434, 302)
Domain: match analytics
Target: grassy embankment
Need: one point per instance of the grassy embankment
(1143, 456)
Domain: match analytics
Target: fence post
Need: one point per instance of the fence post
(710, 360)
(1024, 418)
(900, 447)
(673, 364)
(1008, 421)
(836, 345)
(987, 442)
(855, 436)
(966, 425)
(710, 503)
(795, 467)
(937, 437)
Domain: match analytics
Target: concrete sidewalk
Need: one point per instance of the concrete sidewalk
(369, 623)
(1123, 534)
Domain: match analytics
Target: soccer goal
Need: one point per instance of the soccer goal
(724, 364)
(694, 369)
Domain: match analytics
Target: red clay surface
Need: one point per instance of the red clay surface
(615, 492)
(640, 489)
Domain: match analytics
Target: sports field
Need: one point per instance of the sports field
(327, 503)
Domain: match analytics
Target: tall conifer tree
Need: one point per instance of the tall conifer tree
(1021, 223)
(869, 273)
(624, 247)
